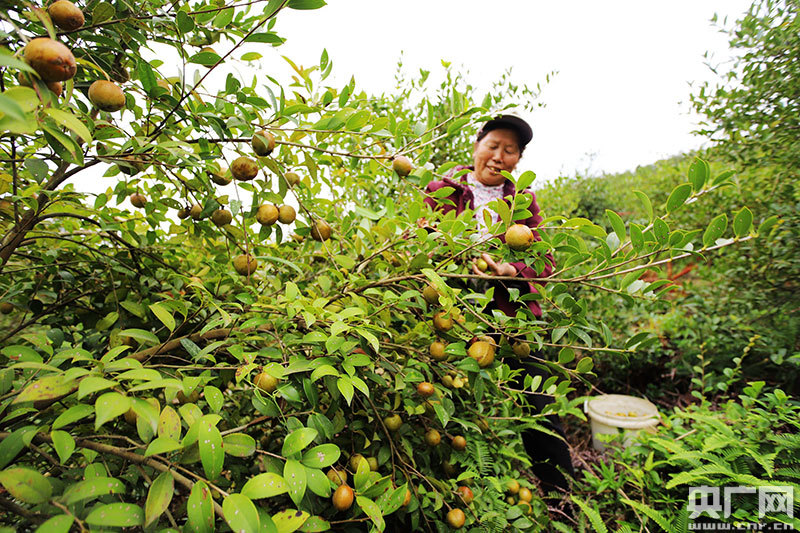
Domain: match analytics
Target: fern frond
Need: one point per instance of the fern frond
(592, 514)
(651, 513)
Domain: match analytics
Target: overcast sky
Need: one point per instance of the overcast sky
(620, 98)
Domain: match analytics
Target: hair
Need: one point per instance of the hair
(484, 132)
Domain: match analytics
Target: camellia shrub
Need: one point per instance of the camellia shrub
(214, 316)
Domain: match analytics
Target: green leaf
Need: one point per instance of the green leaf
(297, 440)
(223, 18)
(26, 485)
(661, 231)
(240, 514)
(11, 108)
(584, 365)
(211, 453)
(295, 475)
(92, 384)
(265, 486)
(767, 225)
(372, 510)
(592, 514)
(164, 315)
(47, 388)
(239, 444)
(321, 456)
(63, 443)
(205, 58)
(116, 515)
(108, 407)
(169, 424)
(69, 121)
(251, 56)
(678, 196)
(92, 488)
(315, 524)
(102, 12)
(390, 502)
(289, 520)
(8, 60)
(58, 524)
(200, 509)
(698, 174)
(345, 386)
(306, 4)
(158, 497)
(145, 337)
(648, 207)
(743, 222)
(616, 223)
(715, 230)
(318, 482)
(162, 445)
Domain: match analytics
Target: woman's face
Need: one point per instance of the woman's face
(498, 150)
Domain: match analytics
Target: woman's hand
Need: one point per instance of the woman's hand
(497, 269)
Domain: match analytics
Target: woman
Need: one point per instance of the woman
(499, 147)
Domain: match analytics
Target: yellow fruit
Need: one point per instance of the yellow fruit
(355, 460)
(245, 264)
(320, 231)
(459, 443)
(138, 199)
(373, 463)
(51, 60)
(244, 169)
(442, 321)
(393, 422)
(267, 214)
(286, 214)
(526, 507)
(343, 498)
(221, 177)
(466, 494)
(510, 500)
(266, 382)
(407, 499)
(221, 217)
(482, 265)
(519, 237)
(292, 178)
(130, 416)
(66, 15)
(6, 308)
(196, 211)
(458, 382)
(337, 477)
(448, 381)
(106, 96)
(512, 487)
(263, 143)
(456, 518)
(430, 294)
(402, 165)
(525, 494)
(437, 350)
(521, 349)
(432, 438)
(482, 352)
(425, 389)
(482, 424)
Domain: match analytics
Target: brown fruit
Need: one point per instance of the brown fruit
(456, 518)
(292, 178)
(131, 165)
(482, 424)
(432, 438)
(459, 443)
(466, 494)
(449, 469)
(196, 211)
(482, 352)
(130, 416)
(321, 231)
(55, 86)
(442, 321)
(267, 214)
(343, 498)
(337, 477)
(519, 237)
(66, 15)
(521, 349)
(286, 214)
(525, 494)
(393, 422)
(266, 382)
(164, 84)
(51, 60)
(245, 264)
(430, 294)
(244, 169)
(425, 389)
(106, 96)
(138, 199)
(402, 165)
(192, 398)
(407, 499)
(263, 143)
(6, 307)
(220, 177)
(221, 217)
(512, 487)
(437, 350)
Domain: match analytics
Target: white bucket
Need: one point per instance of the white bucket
(611, 413)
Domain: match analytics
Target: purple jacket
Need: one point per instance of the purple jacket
(462, 198)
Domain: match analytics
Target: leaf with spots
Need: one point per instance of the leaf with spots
(116, 515)
(200, 509)
(162, 445)
(108, 407)
(392, 500)
(321, 456)
(318, 482)
(297, 440)
(58, 524)
(26, 485)
(169, 424)
(315, 524)
(372, 510)
(239, 445)
(158, 497)
(264, 486)
(92, 488)
(63, 443)
(214, 398)
(46, 388)
(715, 230)
(240, 514)
(210, 443)
(289, 520)
(295, 475)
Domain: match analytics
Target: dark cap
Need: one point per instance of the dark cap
(511, 122)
